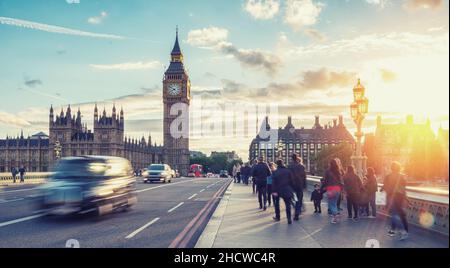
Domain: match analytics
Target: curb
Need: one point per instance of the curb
(211, 230)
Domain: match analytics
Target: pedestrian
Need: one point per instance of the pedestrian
(22, 172)
(14, 174)
(333, 185)
(236, 173)
(270, 197)
(244, 174)
(298, 171)
(260, 173)
(341, 197)
(316, 198)
(352, 186)
(371, 188)
(253, 178)
(282, 182)
(395, 188)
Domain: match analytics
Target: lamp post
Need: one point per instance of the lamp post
(358, 110)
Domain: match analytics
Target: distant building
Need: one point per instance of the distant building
(397, 142)
(305, 142)
(231, 156)
(37, 153)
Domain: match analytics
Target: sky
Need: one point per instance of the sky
(303, 56)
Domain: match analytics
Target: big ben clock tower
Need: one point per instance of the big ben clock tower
(176, 95)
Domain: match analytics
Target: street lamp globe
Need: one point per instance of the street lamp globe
(358, 91)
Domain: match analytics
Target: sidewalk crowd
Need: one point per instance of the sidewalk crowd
(273, 182)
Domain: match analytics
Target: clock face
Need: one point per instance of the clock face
(174, 89)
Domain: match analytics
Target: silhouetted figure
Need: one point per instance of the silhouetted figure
(282, 182)
(260, 173)
(395, 187)
(333, 185)
(299, 183)
(316, 198)
(352, 186)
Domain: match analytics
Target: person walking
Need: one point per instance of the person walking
(260, 173)
(245, 173)
(352, 186)
(299, 183)
(270, 197)
(371, 188)
(234, 172)
(14, 173)
(22, 172)
(341, 197)
(333, 185)
(316, 198)
(253, 178)
(282, 182)
(395, 188)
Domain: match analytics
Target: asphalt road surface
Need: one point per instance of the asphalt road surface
(159, 219)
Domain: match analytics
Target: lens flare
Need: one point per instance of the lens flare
(426, 219)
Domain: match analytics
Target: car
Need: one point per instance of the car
(159, 173)
(223, 174)
(89, 184)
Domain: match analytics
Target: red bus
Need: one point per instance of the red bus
(195, 171)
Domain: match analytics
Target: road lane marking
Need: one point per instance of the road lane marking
(21, 220)
(156, 187)
(202, 190)
(192, 196)
(21, 190)
(142, 228)
(11, 200)
(175, 207)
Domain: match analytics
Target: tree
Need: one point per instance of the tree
(342, 151)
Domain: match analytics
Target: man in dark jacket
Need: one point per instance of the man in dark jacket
(14, 174)
(22, 173)
(282, 182)
(245, 173)
(299, 183)
(352, 186)
(260, 172)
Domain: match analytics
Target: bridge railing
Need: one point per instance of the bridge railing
(30, 177)
(427, 208)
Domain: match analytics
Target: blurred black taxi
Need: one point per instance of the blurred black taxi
(97, 184)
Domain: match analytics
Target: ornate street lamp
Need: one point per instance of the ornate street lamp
(358, 110)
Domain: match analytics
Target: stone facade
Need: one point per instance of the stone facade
(176, 98)
(305, 142)
(37, 153)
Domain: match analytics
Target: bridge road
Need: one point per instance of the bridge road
(162, 213)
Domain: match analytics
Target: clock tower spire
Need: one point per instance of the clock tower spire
(176, 98)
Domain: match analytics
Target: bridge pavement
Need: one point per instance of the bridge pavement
(238, 223)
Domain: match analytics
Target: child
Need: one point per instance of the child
(316, 197)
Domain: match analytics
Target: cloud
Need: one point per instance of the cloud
(268, 62)
(262, 9)
(324, 79)
(54, 29)
(128, 66)
(13, 120)
(300, 13)
(216, 38)
(316, 35)
(98, 19)
(32, 82)
(424, 4)
(207, 37)
(378, 3)
(374, 46)
(387, 76)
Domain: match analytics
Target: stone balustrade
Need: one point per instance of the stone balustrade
(427, 208)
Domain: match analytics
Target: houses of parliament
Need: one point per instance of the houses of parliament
(68, 136)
